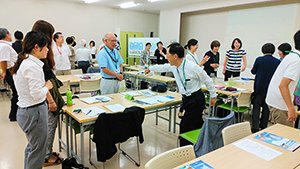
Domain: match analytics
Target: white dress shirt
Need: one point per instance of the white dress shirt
(192, 57)
(29, 81)
(7, 53)
(83, 54)
(188, 76)
(93, 50)
(61, 57)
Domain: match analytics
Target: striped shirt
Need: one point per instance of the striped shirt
(234, 59)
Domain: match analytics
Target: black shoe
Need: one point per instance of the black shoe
(13, 119)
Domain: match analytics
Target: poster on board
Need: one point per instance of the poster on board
(137, 45)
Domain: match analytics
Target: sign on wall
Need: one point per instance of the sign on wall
(137, 45)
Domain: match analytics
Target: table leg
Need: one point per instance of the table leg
(174, 124)
(67, 136)
(71, 136)
(209, 108)
(170, 114)
(82, 143)
(156, 117)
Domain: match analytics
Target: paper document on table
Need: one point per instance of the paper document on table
(115, 107)
(163, 99)
(240, 89)
(258, 149)
(131, 93)
(149, 100)
(95, 99)
(147, 93)
(93, 111)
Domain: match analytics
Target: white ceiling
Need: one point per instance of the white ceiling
(144, 5)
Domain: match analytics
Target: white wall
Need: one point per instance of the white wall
(84, 21)
(207, 22)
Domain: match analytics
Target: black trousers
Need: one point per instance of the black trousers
(229, 74)
(14, 99)
(258, 101)
(84, 65)
(192, 118)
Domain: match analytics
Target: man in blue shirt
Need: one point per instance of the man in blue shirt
(264, 68)
(110, 63)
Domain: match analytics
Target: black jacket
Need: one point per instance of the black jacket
(115, 128)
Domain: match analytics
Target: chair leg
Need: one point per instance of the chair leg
(59, 132)
(138, 150)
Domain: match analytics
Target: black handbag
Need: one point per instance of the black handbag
(71, 163)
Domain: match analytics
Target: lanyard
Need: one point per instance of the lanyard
(184, 85)
(115, 61)
(215, 56)
(295, 53)
(58, 51)
(193, 58)
(7, 44)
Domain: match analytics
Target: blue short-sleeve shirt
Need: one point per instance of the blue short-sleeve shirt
(110, 59)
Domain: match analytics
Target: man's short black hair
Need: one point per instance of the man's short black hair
(268, 48)
(148, 43)
(285, 48)
(56, 35)
(297, 40)
(18, 35)
(176, 48)
(69, 40)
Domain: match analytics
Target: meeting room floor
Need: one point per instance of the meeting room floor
(13, 141)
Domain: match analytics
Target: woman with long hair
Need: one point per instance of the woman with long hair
(55, 101)
(32, 89)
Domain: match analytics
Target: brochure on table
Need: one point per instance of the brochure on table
(95, 99)
(155, 100)
(197, 165)
(278, 141)
(92, 111)
(131, 93)
(115, 107)
(147, 93)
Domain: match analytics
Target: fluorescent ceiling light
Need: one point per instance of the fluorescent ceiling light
(128, 5)
(90, 1)
(152, 0)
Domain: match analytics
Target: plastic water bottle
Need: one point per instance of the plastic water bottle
(69, 97)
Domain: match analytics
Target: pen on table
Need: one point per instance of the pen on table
(88, 112)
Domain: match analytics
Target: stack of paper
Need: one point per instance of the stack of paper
(95, 99)
(147, 93)
(163, 99)
(115, 107)
(93, 111)
(131, 93)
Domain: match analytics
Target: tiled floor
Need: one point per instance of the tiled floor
(13, 142)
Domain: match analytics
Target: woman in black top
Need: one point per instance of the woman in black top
(160, 54)
(211, 66)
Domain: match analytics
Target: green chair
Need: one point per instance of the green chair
(190, 136)
(241, 106)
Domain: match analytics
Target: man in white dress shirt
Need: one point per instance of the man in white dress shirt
(61, 54)
(188, 76)
(8, 57)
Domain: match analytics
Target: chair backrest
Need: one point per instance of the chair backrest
(89, 85)
(63, 89)
(244, 99)
(76, 71)
(235, 132)
(210, 137)
(171, 158)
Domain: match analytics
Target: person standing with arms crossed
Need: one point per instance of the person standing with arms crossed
(188, 76)
(32, 113)
(110, 63)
